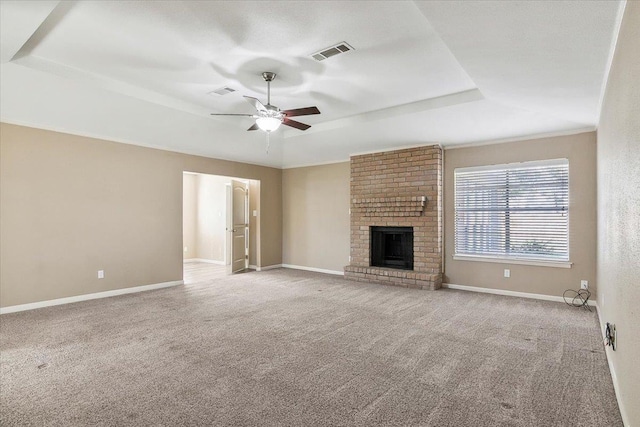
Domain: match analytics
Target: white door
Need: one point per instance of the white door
(238, 226)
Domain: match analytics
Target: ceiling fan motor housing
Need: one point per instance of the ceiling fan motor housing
(272, 111)
(268, 76)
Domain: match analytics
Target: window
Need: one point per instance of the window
(515, 211)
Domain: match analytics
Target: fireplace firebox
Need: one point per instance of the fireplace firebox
(392, 247)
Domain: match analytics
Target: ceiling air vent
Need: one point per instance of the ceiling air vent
(222, 91)
(332, 51)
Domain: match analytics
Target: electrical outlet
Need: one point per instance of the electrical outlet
(507, 272)
(584, 284)
(100, 274)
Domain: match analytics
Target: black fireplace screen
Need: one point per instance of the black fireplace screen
(392, 247)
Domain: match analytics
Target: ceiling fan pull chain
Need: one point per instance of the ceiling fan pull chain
(268, 133)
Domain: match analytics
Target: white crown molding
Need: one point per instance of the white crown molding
(569, 132)
(383, 150)
(399, 147)
(362, 153)
(445, 147)
(127, 142)
(310, 165)
(87, 297)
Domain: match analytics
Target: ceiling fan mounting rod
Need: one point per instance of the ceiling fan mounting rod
(268, 77)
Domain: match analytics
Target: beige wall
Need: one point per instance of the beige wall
(316, 216)
(581, 151)
(72, 205)
(619, 212)
(189, 215)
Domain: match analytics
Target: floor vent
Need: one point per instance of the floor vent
(222, 91)
(332, 51)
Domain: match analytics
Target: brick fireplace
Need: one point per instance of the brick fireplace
(397, 190)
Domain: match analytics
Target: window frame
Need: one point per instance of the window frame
(506, 258)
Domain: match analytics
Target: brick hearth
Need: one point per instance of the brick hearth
(400, 188)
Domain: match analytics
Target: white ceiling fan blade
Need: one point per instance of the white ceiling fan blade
(256, 103)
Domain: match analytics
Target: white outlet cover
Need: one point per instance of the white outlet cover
(584, 284)
(507, 272)
(100, 274)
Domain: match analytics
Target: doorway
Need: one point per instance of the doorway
(218, 239)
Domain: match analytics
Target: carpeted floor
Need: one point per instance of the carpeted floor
(286, 347)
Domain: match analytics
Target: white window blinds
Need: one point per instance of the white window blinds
(513, 211)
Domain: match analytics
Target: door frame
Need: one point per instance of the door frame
(253, 207)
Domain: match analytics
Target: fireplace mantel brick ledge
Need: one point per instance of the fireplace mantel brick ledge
(400, 188)
(389, 206)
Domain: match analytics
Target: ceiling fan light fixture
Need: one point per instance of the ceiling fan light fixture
(268, 124)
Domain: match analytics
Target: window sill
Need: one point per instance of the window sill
(557, 264)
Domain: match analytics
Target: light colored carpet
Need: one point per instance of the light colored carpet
(286, 347)
(196, 272)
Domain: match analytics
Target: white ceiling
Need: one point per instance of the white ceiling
(451, 72)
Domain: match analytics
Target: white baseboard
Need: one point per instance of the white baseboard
(208, 261)
(317, 270)
(86, 297)
(269, 267)
(509, 293)
(614, 377)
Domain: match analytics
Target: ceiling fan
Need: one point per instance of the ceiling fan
(269, 117)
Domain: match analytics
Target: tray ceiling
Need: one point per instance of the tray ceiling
(421, 72)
